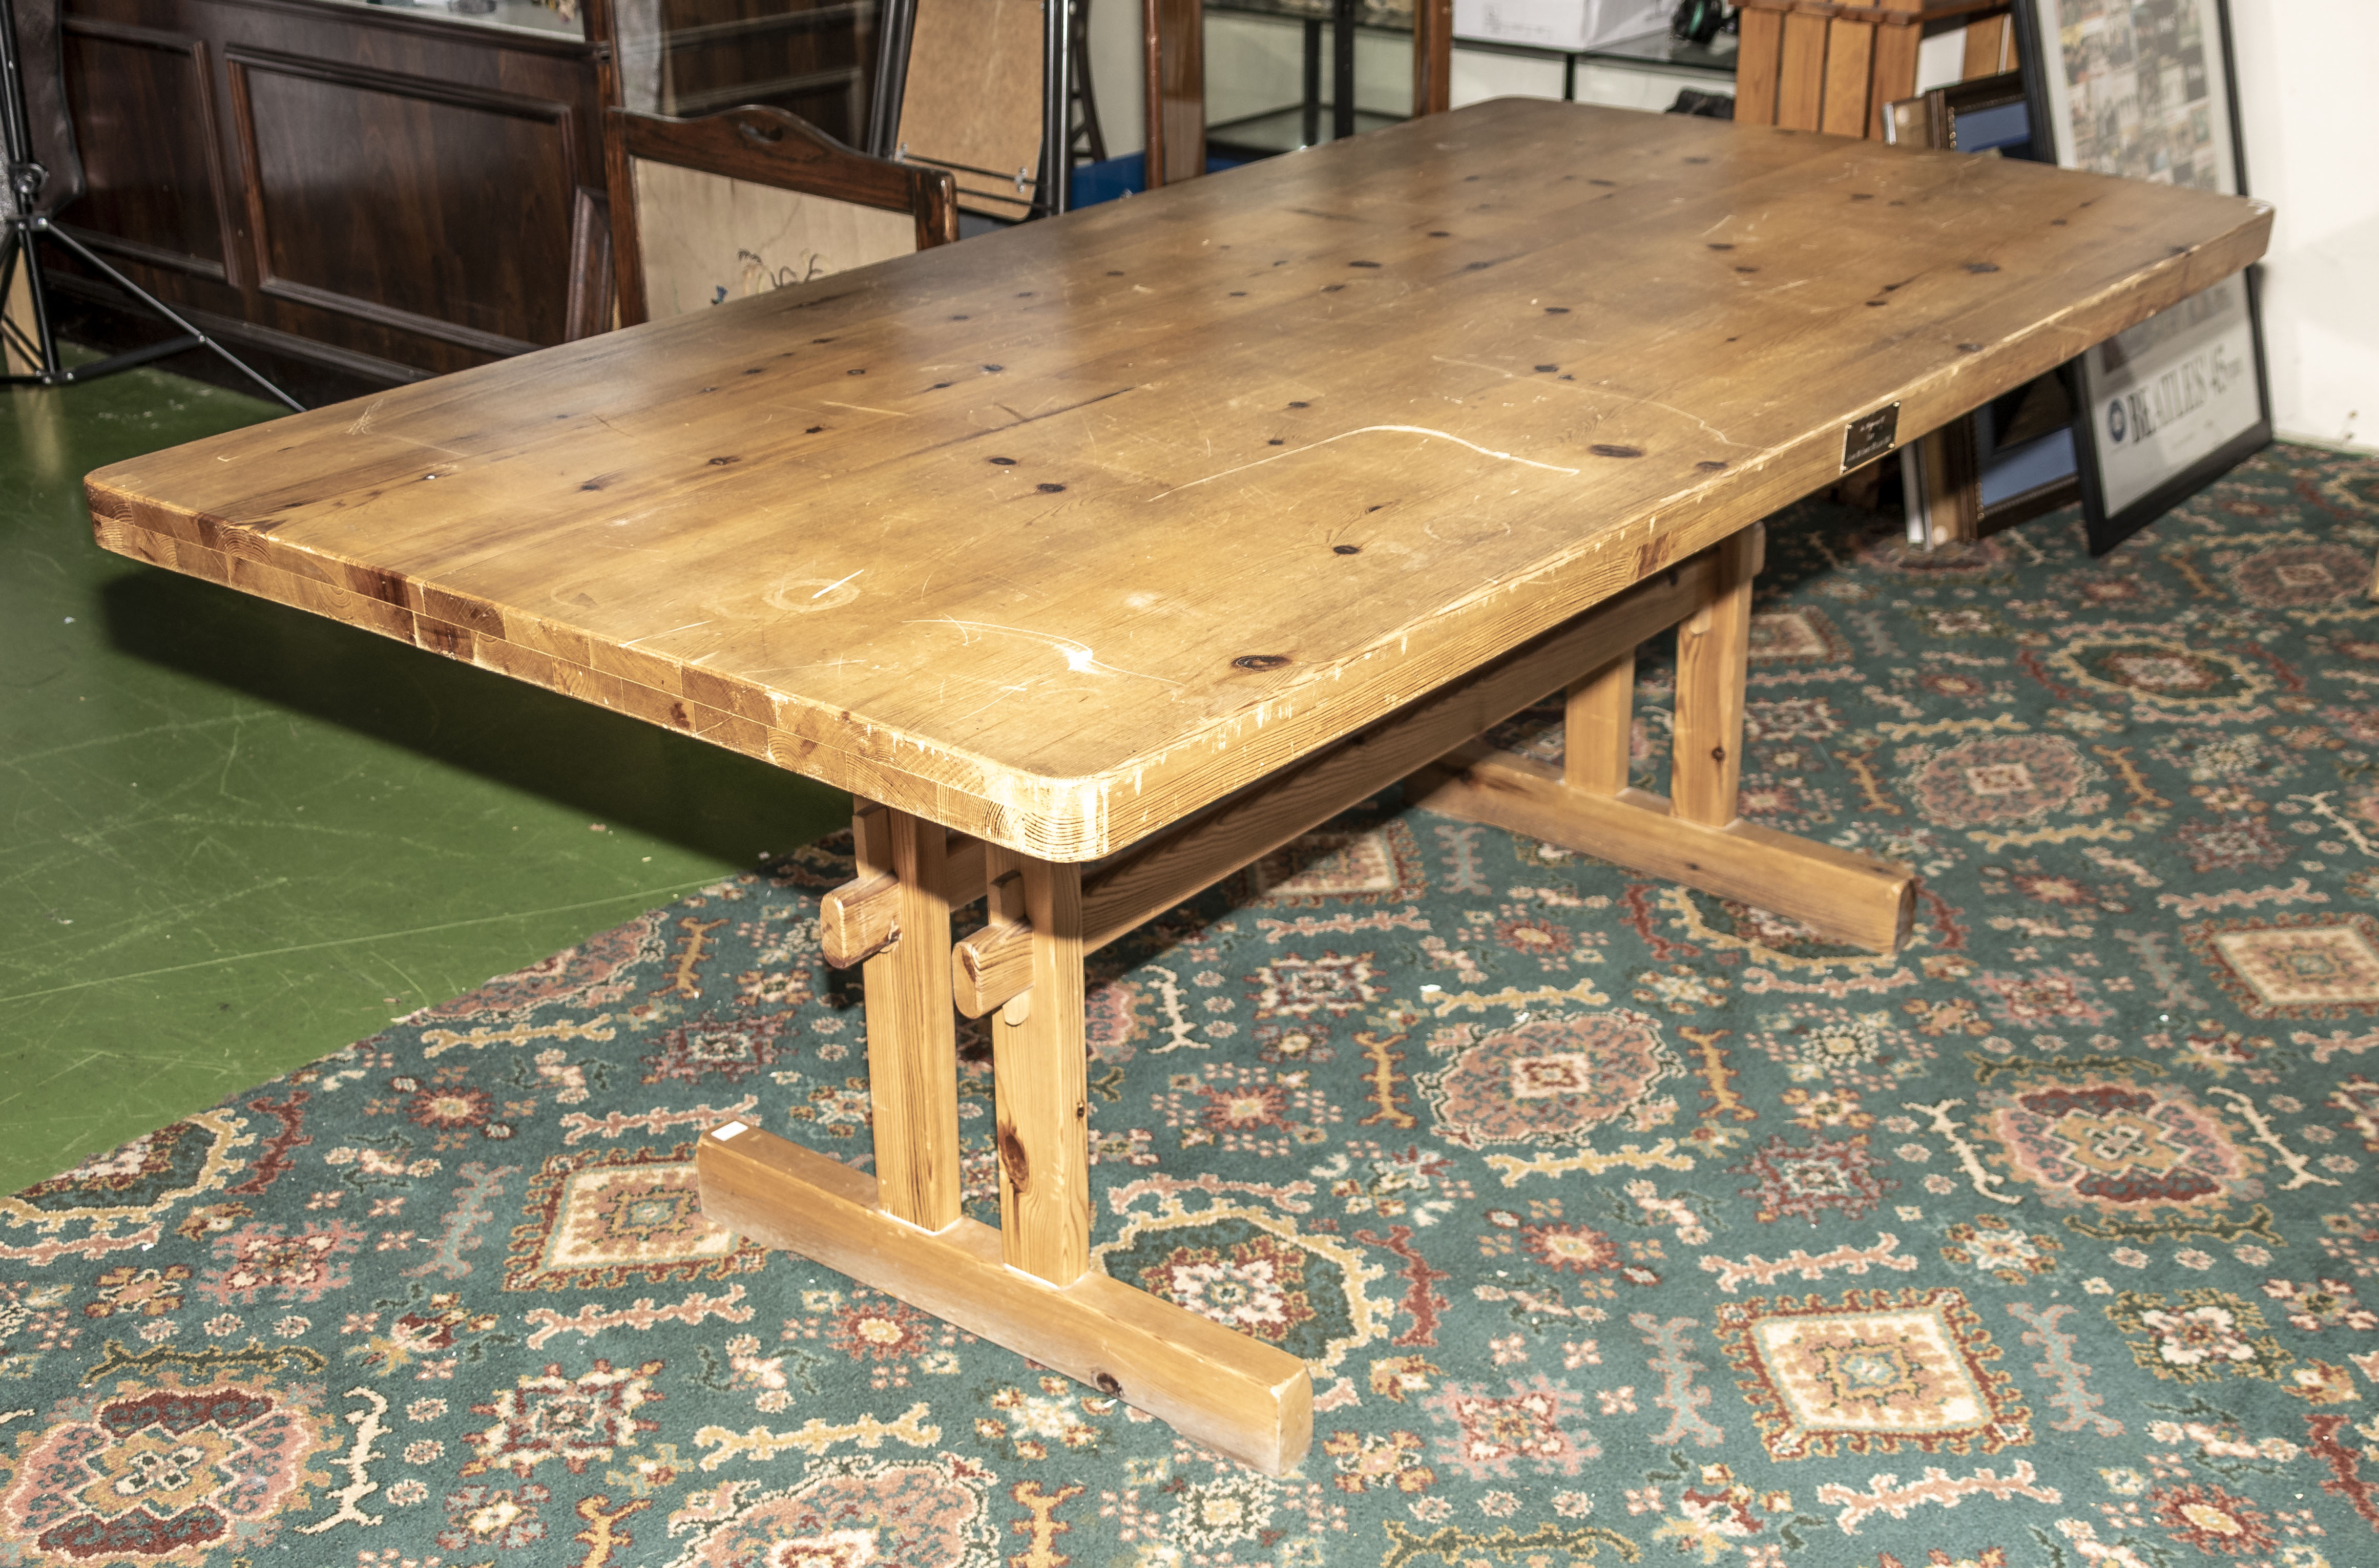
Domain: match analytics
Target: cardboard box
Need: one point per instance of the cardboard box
(1560, 24)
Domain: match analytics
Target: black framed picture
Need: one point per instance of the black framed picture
(2146, 88)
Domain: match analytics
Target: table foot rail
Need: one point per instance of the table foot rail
(1845, 896)
(1237, 1395)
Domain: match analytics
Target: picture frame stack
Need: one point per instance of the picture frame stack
(2147, 89)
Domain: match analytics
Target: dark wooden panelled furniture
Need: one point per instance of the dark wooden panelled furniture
(365, 194)
(375, 194)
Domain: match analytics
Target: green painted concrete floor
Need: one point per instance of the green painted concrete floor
(237, 837)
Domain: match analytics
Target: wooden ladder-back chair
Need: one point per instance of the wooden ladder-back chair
(749, 200)
(1812, 65)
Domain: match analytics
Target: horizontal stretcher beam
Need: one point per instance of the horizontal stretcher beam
(1145, 881)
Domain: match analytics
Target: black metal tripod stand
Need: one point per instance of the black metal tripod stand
(23, 221)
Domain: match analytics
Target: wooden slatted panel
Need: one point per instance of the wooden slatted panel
(1757, 57)
(1850, 57)
(1987, 48)
(1801, 73)
(1892, 75)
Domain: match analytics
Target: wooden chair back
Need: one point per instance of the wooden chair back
(749, 200)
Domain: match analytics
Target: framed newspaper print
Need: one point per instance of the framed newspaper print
(2146, 88)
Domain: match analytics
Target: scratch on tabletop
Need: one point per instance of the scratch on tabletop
(771, 671)
(363, 421)
(863, 408)
(1368, 429)
(1681, 414)
(1606, 386)
(832, 587)
(1016, 688)
(674, 630)
(1475, 365)
(1079, 657)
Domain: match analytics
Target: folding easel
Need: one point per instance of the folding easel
(981, 87)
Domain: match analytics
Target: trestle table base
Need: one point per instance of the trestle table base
(1031, 1284)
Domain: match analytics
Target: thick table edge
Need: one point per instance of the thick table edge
(1092, 817)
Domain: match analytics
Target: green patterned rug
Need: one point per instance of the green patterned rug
(1617, 1224)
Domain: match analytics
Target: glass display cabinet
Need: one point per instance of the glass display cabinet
(691, 58)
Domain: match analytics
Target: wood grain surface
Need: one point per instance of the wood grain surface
(1058, 535)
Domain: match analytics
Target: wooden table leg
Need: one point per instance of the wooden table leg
(1599, 728)
(1713, 658)
(912, 1054)
(1029, 1285)
(1038, 1075)
(1694, 838)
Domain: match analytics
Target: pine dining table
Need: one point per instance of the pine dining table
(1098, 557)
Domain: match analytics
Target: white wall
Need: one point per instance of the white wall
(2306, 81)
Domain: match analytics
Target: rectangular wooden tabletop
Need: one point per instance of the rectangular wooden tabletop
(1057, 535)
